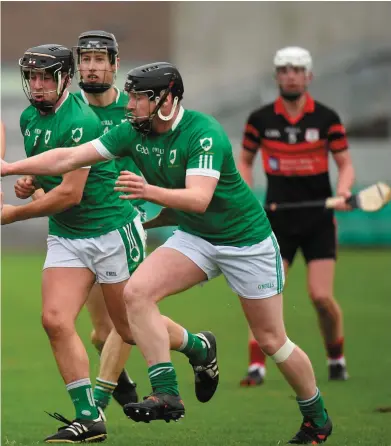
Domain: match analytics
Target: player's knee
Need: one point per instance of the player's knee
(283, 352)
(270, 343)
(134, 295)
(321, 301)
(55, 324)
(127, 337)
(98, 338)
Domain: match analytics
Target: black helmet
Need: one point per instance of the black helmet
(157, 79)
(100, 41)
(50, 58)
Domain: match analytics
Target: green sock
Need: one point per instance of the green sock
(314, 409)
(103, 392)
(80, 392)
(163, 378)
(193, 347)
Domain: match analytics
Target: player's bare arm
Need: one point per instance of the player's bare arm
(346, 174)
(346, 177)
(69, 193)
(54, 162)
(245, 165)
(194, 198)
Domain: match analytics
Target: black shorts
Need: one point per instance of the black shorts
(316, 241)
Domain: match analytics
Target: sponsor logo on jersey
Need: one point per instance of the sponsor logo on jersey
(157, 151)
(140, 148)
(206, 143)
(272, 133)
(274, 163)
(77, 134)
(172, 156)
(47, 136)
(27, 132)
(311, 135)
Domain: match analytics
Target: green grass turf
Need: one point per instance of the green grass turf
(263, 416)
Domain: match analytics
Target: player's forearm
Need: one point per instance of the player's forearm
(187, 200)
(52, 162)
(53, 202)
(346, 177)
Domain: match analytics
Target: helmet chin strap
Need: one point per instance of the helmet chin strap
(59, 83)
(173, 108)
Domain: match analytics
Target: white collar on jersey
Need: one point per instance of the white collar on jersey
(62, 103)
(84, 97)
(178, 119)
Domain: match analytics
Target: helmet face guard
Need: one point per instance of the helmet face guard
(96, 42)
(59, 66)
(157, 92)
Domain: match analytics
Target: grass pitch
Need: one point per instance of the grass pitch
(236, 416)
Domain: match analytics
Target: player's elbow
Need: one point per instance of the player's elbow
(71, 196)
(200, 205)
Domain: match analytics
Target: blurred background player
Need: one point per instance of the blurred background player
(295, 135)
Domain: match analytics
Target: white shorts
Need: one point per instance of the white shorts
(254, 272)
(112, 257)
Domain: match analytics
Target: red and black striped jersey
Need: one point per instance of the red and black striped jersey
(295, 151)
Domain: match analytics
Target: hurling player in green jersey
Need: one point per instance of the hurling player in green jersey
(186, 158)
(97, 63)
(93, 235)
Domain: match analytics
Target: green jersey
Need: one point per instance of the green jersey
(100, 210)
(110, 116)
(196, 145)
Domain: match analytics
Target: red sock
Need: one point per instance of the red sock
(335, 349)
(256, 354)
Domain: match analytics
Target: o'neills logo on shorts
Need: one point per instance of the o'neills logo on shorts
(263, 286)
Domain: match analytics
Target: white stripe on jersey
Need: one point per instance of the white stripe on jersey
(205, 162)
(203, 172)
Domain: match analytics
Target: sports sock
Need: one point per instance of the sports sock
(163, 378)
(193, 347)
(313, 408)
(335, 349)
(256, 355)
(80, 392)
(103, 391)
